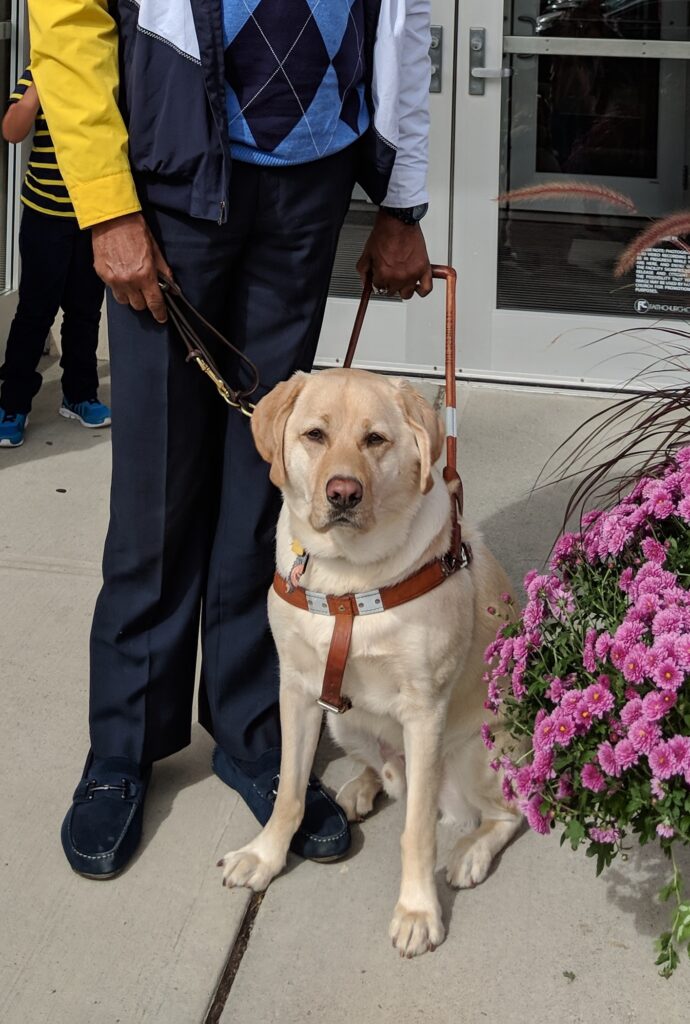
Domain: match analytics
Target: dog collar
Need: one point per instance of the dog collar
(344, 608)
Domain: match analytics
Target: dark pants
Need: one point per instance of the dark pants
(193, 513)
(57, 272)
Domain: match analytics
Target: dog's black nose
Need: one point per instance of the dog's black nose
(344, 492)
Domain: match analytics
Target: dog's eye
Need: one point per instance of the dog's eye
(374, 440)
(315, 434)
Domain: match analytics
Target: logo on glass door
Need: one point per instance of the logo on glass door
(644, 306)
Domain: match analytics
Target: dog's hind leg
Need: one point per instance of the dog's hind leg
(472, 855)
(357, 796)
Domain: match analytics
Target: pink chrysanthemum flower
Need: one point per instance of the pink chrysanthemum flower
(644, 735)
(523, 780)
(542, 766)
(659, 500)
(631, 711)
(634, 663)
(657, 703)
(646, 606)
(535, 819)
(665, 831)
(603, 646)
(564, 728)
(487, 736)
(508, 790)
(682, 647)
(653, 550)
(667, 620)
(599, 699)
(533, 614)
(625, 754)
(684, 508)
(667, 675)
(625, 580)
(662, 761)
(588, 652)
(556, 690)
(605, 835)
(628, 634)
(564, 790)
(657, 789)
(545, 734)
(570, 701)
(607, 759)
(679, 747)
(592, 778)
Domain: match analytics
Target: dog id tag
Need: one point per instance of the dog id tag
(298, 567)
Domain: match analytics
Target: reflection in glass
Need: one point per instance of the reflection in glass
(613, 19)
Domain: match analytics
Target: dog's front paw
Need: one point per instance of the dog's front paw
(416, 931)
(247, 868)
(469, 863)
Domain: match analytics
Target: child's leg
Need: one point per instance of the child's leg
(45, 246)
(82, 300)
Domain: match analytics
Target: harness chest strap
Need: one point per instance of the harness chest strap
(345, 607)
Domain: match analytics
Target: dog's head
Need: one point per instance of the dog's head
(348, 448)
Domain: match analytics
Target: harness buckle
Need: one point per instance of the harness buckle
(451, 563)
(335, 709)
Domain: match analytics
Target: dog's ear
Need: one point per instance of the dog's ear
(428, 431)
(269, 420)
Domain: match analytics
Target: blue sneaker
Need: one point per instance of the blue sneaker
(90, 413)
(12, 426)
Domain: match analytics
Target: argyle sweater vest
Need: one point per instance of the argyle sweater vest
(294, 71)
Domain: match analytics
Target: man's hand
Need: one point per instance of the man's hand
(127, 258)
(395, 255)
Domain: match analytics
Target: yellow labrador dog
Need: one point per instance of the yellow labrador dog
(354, 454)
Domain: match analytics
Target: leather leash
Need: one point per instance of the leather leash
(346, 607)
(181, 313)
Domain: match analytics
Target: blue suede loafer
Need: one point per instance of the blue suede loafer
(102, 829)
(324, 834)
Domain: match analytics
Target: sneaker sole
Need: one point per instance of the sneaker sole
(69, 415)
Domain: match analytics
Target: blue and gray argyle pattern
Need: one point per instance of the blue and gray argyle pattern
(295, 78)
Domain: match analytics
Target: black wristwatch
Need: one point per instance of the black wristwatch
(407, 214)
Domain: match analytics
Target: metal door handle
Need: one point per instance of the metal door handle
(491, 72)
(478, 73)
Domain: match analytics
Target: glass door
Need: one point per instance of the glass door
(591, 92)
(12, 36)
(402, 336)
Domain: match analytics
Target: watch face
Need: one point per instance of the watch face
(418, 212)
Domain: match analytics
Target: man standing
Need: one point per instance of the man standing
(217, 142)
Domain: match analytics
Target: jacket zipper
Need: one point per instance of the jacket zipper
(222, 212)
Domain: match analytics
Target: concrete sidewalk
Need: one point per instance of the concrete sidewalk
(540, 940)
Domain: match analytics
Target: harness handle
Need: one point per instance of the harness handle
(447, 274)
